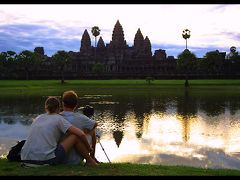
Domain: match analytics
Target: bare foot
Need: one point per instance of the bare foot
(91, 162)
(96, 160)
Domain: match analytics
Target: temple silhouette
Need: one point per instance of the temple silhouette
(120, 59)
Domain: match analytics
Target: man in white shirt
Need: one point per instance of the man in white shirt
(69, 103)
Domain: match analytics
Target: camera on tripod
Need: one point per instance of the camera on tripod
(88, 110)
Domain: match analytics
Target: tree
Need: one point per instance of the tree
(233, 49)
(7, 62)
(214, 61)
(98, 68)
(29, 61)
(234, 59)
(61, 60)
(11, 63)
(95, 32)
(186, 62)
(186, 35)
(2, 63)
(149, 79)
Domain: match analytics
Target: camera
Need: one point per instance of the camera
(88, 111)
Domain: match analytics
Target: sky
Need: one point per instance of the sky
(60, 26)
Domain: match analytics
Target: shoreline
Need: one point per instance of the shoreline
(111, 169)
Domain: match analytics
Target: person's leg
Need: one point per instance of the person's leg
(92, 133)
(73, 141)
(82, 150)
(69, 142)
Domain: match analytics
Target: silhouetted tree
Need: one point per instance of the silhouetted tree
(186, 35)
(186, 62)
(233, 49)
(2, 61)
(98, 68)
(95, 32)
(149, 79)
(28, 61)
(7, 62)
(234, 59)
(61, 59)
(214, 61)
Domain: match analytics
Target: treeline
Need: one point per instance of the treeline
(34, 64)
(214, 62)
(13, 65)
(31, 65)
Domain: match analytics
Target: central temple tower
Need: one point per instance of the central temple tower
(118, 40)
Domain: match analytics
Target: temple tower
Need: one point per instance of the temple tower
(118, 40)
(86, 48)
(138, 44)
(100, 43)
(101, 49)
(147, 47)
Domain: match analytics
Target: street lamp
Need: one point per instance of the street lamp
(186, 35)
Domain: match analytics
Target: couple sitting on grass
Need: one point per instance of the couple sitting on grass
(61, 138)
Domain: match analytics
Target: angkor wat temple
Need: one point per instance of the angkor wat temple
(120, 59)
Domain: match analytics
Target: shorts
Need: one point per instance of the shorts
(73, 158)
(59, 159)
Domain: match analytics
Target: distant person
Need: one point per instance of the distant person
(42, 144)
(69, 103)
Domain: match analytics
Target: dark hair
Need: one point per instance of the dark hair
(70, 99)
(51, 104)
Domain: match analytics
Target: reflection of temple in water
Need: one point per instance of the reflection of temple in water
(131, 109)
(186, 110)
(137, 111)
(118, 136)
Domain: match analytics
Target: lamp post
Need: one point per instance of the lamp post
(186, 35)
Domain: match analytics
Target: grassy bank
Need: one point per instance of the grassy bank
(54, 87)
(114, 169)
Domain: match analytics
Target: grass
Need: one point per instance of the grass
(54, 87)
(115, 169)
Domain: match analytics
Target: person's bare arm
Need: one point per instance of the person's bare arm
(78, 132)
(95, 124)
(88, 131)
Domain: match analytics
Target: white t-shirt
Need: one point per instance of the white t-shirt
(80, 121)
(44, 136)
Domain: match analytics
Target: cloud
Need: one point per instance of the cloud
(18, 37)
(48, 34)
(60, 27)
(231, 35)
(218, 8)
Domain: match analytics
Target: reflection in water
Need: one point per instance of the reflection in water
(163, 142)
(171, 128)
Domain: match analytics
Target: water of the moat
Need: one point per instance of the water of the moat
(171, 129)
